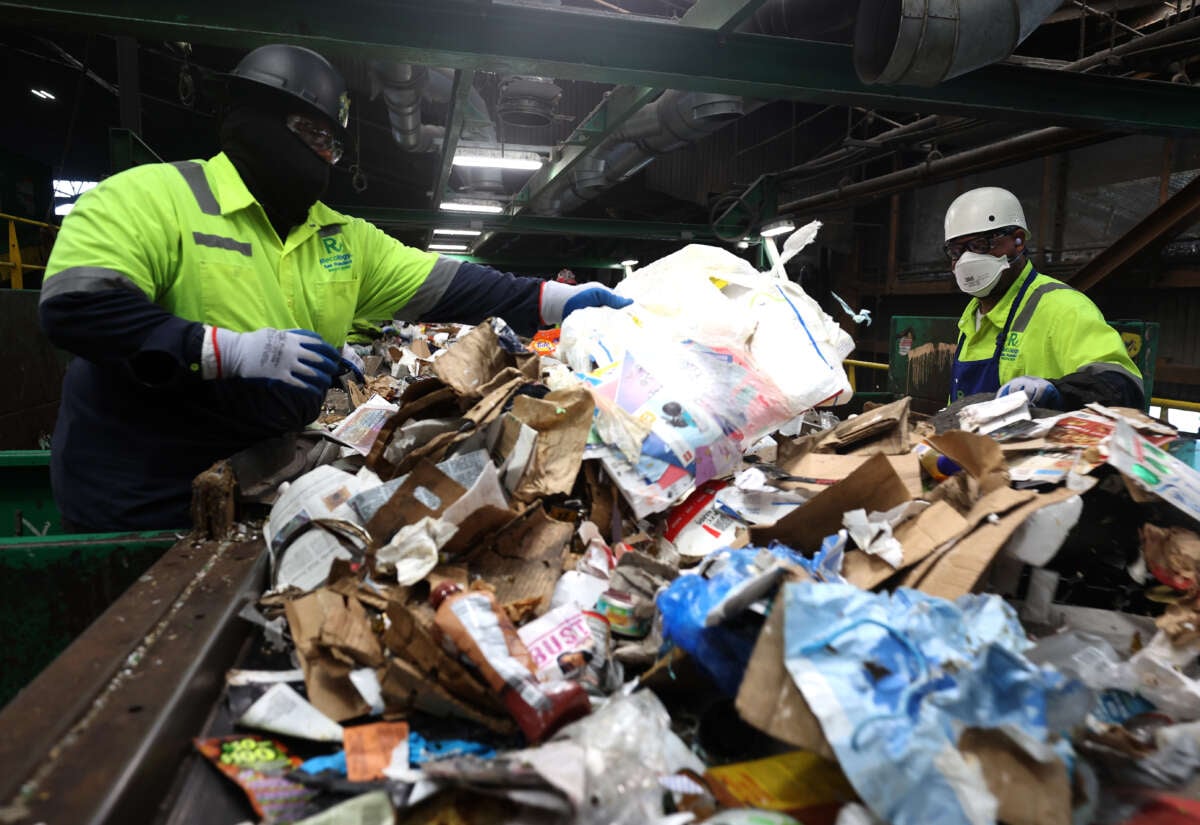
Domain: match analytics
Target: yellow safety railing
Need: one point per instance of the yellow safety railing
(1173, 404)
(852, 366)
(14, 263)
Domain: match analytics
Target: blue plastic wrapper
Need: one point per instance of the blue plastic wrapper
(722, 650)
(895, 678)
(335, 762)
(422, 750)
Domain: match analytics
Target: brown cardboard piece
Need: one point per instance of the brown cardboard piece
(997, 502)
(881, 430)
(833, 466)
(918, 537)
(406, 688)
(369, 748)
(326, 680)
(1028, 792)
(426, 492)
(473, 364)
(769, 699)
(562, 420)
(408, 636)
(526, 559)
(977, 454)
(873, 486)
(347, 636)
(961, 568)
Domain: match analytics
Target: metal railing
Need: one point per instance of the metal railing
(852, 367)
(14, 264)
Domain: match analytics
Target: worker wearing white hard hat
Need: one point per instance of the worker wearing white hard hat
(1023, 330)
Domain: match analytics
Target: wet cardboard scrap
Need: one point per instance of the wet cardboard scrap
(977, 454)
(1028, 792)
(768, 698)
(405, 688)
(831, 466)
(881, 430)
(919, 538)
(427, 492)
(525, 560)
(562, 421)
(874, 486)
(959, 570)
(408, 636)
(326, 680)
(472, 365)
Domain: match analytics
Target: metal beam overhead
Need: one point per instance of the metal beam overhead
(1170, 217)
(528, 224)
(464, 80)
(629, 50)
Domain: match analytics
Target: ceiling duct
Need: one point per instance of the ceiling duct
(403, 87)
(910, 42)
(672, 121)
(528, 101)
(925, 42)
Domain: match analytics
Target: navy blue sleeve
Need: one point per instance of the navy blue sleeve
(477, 292)
(123, 327)
(1110, 388)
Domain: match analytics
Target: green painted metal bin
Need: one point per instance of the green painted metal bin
(53, 585)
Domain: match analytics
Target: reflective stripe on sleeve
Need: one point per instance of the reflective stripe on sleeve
(85, 279)
(1105, 366)
(431, 291)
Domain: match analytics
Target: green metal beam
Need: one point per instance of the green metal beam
(617, 107)
(629, 50)
(530, 264)
(527, 224)
(464, 80)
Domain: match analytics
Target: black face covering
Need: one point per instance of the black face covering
(279, 169)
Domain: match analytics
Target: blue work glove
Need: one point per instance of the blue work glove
(296, 357)
(560, 300)
(1040, 391)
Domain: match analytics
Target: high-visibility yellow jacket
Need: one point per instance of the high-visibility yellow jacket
(1054, 331)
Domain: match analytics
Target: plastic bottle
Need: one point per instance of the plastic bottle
(936, 465)
(474, 625)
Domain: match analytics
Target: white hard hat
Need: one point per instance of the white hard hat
(982, 210)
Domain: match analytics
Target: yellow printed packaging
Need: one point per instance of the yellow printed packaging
(799, 783)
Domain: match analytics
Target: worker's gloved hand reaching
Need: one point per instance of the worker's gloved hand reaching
(296, 357)
(1040, 391)
(560, 300)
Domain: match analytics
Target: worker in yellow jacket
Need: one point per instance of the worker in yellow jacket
(208, 301)
(1023, 330)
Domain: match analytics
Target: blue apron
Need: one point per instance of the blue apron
(973, 377)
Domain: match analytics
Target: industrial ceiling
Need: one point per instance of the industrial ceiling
(655, 121)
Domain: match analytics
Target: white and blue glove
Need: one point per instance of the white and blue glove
(296, 357)
(1040, 391)
(560, 300)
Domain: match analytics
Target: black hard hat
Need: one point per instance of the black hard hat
(299, 72)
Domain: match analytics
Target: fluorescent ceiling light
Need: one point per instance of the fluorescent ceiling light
(63, 208)
(43, 94)
(630, 262)
(448, 247)
(526, 161)
(487, 207)
(743, 244)
(464, 233)
(779, 227)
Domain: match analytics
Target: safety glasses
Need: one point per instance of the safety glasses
(320, 139)
(980, 245)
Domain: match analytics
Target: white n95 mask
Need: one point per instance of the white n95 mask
(977, 275)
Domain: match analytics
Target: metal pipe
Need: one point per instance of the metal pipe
(1011, 150)
(926, 42)
(1179, 31)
